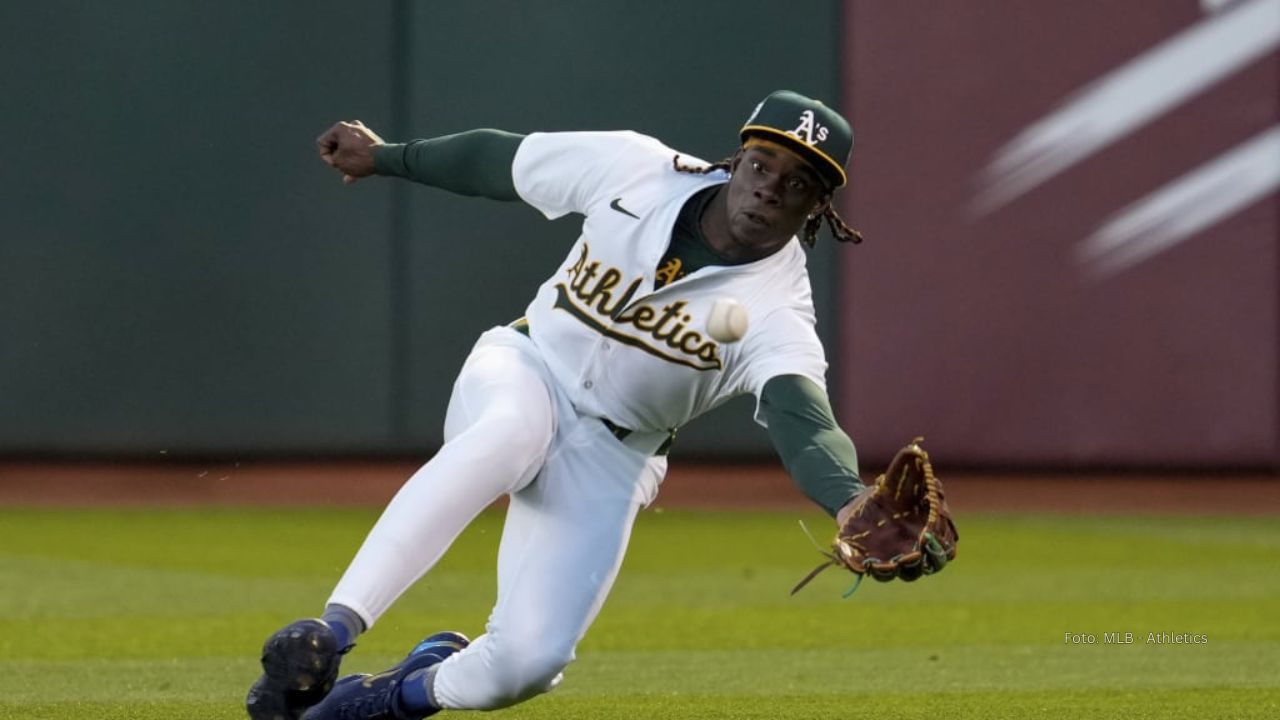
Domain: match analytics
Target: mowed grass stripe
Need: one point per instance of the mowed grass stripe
(955, 669)
(1192, 703)
(159, 614)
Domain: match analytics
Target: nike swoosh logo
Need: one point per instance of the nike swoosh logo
(369, 680)
(616, 205)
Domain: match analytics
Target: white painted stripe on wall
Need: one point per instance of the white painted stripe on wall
(1211, 6)
(1132, 95)
(1186, 206)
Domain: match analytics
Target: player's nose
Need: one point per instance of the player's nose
(768, 191)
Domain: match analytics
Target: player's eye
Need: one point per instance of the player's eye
(757, 166)
(797, 184)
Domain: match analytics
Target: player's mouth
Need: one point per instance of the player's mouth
(757, 219)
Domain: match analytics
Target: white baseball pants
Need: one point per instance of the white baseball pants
(575, 491)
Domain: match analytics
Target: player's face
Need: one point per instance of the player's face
(771, 194)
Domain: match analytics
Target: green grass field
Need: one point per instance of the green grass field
(159, 614)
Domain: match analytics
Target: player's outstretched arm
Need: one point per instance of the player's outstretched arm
(475, 163)
(898, 527)
(817, 454)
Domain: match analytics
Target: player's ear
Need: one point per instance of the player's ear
(737, 158)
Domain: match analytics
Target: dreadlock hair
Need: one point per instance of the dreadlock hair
(809, 233)
(701, 169)
(839, 229)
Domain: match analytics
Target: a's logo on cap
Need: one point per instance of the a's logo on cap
(808, 129)
(819, 133)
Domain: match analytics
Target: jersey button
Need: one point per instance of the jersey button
(588, 384)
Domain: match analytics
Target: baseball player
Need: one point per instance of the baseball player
(570, 410)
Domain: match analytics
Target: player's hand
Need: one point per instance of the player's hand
(348, 148)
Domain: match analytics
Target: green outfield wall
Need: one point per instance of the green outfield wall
(179, 274)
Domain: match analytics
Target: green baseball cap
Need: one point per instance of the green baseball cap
(807, 127)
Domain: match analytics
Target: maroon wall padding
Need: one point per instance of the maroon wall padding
(985, 331)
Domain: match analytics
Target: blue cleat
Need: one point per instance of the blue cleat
(377, 697)
(299, 663)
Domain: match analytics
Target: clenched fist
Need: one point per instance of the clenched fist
(348, 148)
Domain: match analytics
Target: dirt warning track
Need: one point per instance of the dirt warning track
(309, 483)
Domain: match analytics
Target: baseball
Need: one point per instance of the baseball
(728, 320)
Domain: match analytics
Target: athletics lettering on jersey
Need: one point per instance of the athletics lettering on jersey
(592, 296)
(653, 377)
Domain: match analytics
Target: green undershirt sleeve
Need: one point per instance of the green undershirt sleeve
(819, 456)
(475, 163)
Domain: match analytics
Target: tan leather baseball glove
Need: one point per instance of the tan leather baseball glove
(898, 527)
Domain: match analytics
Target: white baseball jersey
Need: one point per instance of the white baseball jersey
(622, 350)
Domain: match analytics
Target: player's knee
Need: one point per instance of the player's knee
(528, 669)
